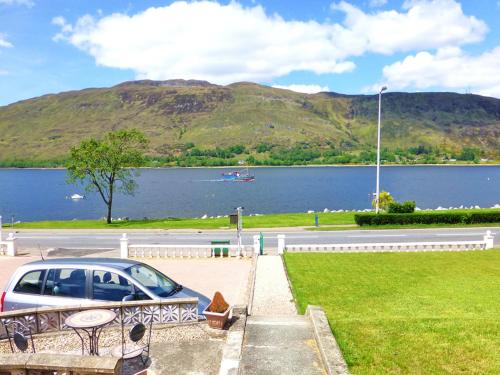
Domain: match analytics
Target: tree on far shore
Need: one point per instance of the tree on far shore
(104, 165)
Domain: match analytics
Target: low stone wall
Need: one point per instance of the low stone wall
(20, 363)
(50, 319)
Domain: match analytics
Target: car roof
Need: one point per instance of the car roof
(106, 262)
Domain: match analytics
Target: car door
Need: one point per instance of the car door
(65, 287)
(110, 286)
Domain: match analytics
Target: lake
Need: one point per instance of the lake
(31, 194)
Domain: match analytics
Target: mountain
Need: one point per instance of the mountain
(179, 112)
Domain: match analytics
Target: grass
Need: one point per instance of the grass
(328, 221)
(264, 221)
(407, 313)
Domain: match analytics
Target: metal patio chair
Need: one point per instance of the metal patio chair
(135, 343)
(20, 336)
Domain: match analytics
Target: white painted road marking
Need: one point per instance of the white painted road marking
(460, 234)
(378, 235)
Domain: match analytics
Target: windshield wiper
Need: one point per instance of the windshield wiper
(177, 289)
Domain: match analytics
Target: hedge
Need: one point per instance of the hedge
(428, 218)
(407, 207)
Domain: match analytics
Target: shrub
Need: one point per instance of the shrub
(218, 304)
(385, 199)
(407, 207)
(484, 217)
(462, 217)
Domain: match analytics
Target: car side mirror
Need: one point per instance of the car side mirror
(129, 297)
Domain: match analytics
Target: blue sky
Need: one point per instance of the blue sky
(49, 46)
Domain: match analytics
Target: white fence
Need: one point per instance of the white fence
(182, 251)
(484, 244)
(9, 246)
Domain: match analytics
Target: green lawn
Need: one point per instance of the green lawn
(264, 221)
(407, 313)
(327, 221)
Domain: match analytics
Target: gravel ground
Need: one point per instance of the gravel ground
(69, 343)
(272, 294)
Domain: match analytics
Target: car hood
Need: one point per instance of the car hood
(203, 301)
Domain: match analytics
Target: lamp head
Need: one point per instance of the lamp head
(383, 88)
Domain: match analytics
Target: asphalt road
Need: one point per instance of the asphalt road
(108, 240)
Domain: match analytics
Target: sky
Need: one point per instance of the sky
(352, 47)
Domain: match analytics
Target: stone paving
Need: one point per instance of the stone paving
(272, 296)
(277, 340)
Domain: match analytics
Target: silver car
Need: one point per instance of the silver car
(81, 281)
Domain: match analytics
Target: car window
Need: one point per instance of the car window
(66, 282)
(31, 283)
(153, 280)
(109, 286)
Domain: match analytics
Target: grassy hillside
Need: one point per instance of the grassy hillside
(177, 114)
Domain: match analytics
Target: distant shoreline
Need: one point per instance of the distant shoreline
(495, 164)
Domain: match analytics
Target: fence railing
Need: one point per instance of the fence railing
(183, 251)
(484, 244)
(50, 319)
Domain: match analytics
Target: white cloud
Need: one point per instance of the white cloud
(449, 68)
(65, 28)
(228, 43)
(28, 3)
(377, 3)
(4, 42)
(59, 21)
(425, 24)
(4, 72)
(306, 89)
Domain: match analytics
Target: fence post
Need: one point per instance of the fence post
(281, 243)
(124, 246)
(256, 244)
(488, 240)
(11, 245)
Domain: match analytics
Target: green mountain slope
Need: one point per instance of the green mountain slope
(175, 113)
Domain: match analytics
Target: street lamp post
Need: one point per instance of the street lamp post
(377, 199)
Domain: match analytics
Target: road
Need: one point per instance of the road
(108, 240)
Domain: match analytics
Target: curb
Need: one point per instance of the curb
(290, 287)
(329, 350)
(231, 352)
(251, 283)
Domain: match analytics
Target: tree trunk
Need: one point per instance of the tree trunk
(110, 200)
(108, 219)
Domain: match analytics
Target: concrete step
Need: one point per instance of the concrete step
(282, 320)
(280, 345)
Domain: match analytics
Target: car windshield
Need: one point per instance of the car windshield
(155, 281)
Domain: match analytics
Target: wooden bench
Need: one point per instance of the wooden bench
(20, 363)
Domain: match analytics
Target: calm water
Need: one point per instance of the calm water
(41, 194)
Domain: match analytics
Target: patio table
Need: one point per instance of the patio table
(91, 322)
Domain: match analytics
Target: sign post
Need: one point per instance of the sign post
(239, 227)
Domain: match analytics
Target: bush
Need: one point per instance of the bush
(428, 218)
(407, 207)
